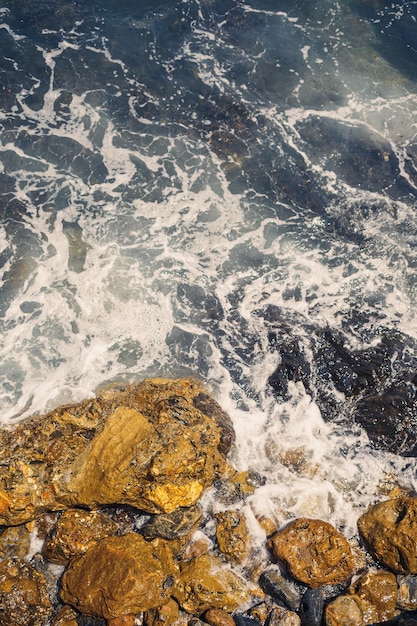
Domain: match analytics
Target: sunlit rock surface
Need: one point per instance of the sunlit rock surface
(155, 446)
(75, 532)
(120, 576)
(232, 535)
(204, 584)
(313, 552)
(372, 598)
(390, 531)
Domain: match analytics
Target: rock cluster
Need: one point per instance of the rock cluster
(110, 487)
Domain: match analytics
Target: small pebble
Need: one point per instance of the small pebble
(218, 617)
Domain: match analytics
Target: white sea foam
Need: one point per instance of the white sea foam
(149, 251)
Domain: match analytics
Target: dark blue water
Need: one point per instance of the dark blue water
(226, 189)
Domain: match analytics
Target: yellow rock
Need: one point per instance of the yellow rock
(232, 535)
(76, 531)
(120, 576)
(314, 552)
(204, 584)
(155, 446)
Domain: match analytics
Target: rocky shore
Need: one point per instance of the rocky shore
(102, 523)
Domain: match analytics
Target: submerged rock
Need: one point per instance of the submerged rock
(313, 552)
(24, 599)
(218, 617)
(232, 535)
(373, 387)
(281, 617)
(389, 529)
(119, 576)
(149, 445)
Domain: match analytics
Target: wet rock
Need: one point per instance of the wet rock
(232, 535)
(204, 584)
(267, 524)
(404, 619)
(119, 576)
(377, 380)
(281, 617)
(372, 598)
(389, 529)
(262, 610)
(197, 547)
(86, 620)
(24, 600)
(350, 611)
(125, 620)
(76, 531)
(218, 617)
(246, 620)
(407, 592)
(208, 406)
(196, 622)
(312, 607)
(14, 541)
(236, 486)
(280, 589)
(379, 589)
(313, 552)
(145, 445)
(66, 616)
(388, 416)
(175, 525)
(164, 615)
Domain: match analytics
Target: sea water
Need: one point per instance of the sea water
(185, 185)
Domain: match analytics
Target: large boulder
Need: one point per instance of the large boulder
(120, 576)
(389, 530)
(314, 552)
(155, 446)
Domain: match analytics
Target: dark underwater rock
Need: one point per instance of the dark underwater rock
(374, 386)
(284, 592)
(312, 607)
(175, 525)
(390, 418)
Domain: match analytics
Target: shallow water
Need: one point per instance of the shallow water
(220, 189)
